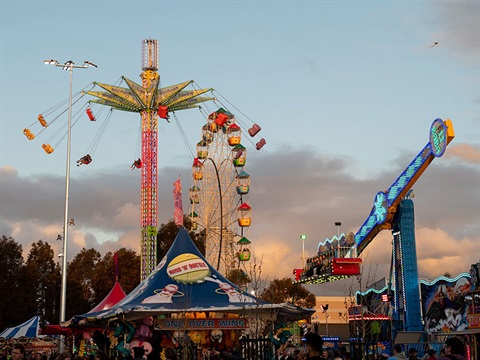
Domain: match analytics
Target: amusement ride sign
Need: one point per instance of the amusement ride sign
(200, 324)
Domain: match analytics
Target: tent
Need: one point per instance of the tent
(29, 329)
(113, 297)
(184, 281)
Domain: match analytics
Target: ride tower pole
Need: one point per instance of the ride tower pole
(151, 102)
(148, 191)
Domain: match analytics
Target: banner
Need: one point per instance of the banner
(200, 324)
(177, 197)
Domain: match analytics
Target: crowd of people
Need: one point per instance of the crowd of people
(453, 349)
(313, 349)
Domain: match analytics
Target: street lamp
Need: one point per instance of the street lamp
(303, 237)
(67, 66)
(338, 224)
(325, 311)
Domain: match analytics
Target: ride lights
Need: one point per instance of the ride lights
(50, 62)
(68, 64)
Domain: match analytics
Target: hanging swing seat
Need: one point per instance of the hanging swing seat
(163, 112)
(90, 114)
(28, 134)
(254, 130)
(260, 144)
(48, 149)
(42, 120)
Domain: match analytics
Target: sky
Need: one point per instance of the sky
(345, 93)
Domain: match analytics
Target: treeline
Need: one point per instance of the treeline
(31, 286)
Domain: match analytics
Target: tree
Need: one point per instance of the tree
(103, 278)
(11, 263)
(42, 276)
(80, 294)
(168, 232)
(239, 277)
(283, 290)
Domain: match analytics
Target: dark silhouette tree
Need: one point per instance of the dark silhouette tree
(239, 277)
(168, 232)
(42, 275)
(283, 290)
(80, 294)
(11, 263)
(103, 278)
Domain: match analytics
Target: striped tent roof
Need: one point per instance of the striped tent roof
(28, 329)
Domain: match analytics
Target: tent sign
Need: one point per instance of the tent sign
(200, 324)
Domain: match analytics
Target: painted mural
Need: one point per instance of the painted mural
(444, 305)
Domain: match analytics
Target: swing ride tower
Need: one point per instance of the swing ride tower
(150, 102)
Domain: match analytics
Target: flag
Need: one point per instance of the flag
(177, 197)
(115, 260)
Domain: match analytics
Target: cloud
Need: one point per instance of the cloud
(458, 27)
(296, 192)
(465, 152)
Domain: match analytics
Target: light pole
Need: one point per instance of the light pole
(67, 66)
(338, 224)
(303, 237)
(325, 311)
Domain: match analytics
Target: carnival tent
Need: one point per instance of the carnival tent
(29, 329)
(184, 281)
(113, 297)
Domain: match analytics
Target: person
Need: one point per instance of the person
(101, 355)
(412, 354)
(430, 355)
(290, 347)
(4, 354)
(87, 159)
(398, 354)
(336, 355)
(313, 343)
(170, 354)
(454, 349)
(138, 353)
(137, 164)
(18, 352)
(64, 356)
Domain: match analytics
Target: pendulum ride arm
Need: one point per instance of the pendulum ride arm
(384, 207)
(385, 203)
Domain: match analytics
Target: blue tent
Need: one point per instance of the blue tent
(28, 329)
(184, 281)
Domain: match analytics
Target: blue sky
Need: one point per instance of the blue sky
(344, 91)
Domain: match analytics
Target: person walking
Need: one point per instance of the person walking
(454, 349)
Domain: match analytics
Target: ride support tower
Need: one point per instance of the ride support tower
(151, 102)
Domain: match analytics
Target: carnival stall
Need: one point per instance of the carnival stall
(185, 302)
(27, 334)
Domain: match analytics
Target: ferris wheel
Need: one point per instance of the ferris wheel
(219, 191)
